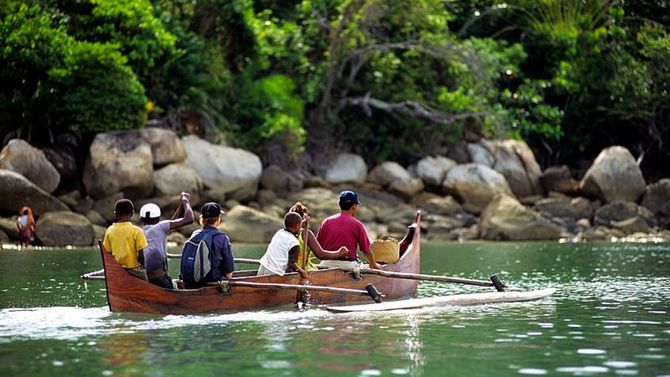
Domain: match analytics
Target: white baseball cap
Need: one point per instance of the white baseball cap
(150, 211)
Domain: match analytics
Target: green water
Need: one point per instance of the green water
(609, 317)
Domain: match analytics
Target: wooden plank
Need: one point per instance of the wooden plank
(461, 299)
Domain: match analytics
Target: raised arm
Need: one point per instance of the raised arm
(320, 253)
(188, 213)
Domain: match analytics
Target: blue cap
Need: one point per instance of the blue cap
(349, 197)
(210, 210)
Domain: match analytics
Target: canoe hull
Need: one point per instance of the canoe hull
(126, 293)
(462, 299)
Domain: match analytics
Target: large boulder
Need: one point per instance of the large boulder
(245, 224)
(558, 179)
(23, 158)
(64, 160)
(16, 191)
(119, 161)
(222, 169)
(388, 173)
(166, 147)
(475, 185)
(515, 161)
(482, 153)
(62, 228)
(611, 213)
(8, 226)
(276, 179)
(407, 188)
(657, 196)
(176, 178)
(105, 207)
(346, 167)
(435, 204)
(432, 170)
(614, 176)
(558, 207)
(507, 219)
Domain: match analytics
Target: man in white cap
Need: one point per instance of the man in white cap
(156, 231)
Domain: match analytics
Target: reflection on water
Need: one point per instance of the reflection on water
(609, 317)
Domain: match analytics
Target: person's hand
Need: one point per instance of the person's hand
(342, 252)
(305, 220)
(375, 265)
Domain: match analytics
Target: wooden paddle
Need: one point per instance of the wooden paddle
(369, 290)
(494, 282)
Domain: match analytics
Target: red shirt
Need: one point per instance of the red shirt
(343, 230)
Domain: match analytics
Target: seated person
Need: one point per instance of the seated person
(126, 241)
(344, 229)
(221, 260)
(313, 246)
(282, 252)
(156, 232)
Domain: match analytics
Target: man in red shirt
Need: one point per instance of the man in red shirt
(344, 229)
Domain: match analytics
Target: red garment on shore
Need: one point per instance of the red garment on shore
(343, 230)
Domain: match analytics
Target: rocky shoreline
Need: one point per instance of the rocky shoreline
(484, 190)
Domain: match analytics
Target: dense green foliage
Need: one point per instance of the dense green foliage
(388, 79)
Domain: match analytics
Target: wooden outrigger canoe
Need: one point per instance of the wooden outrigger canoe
(126, 293)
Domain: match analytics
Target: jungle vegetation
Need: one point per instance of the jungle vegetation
(388, 79)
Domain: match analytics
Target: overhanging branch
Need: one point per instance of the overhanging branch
(409, 108)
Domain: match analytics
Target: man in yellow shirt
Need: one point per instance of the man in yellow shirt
(126, 241)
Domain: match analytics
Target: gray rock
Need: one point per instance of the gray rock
(507, 219)
(558, 179)
(346, 167)
(4, 237)
(614, 176)
(388, 173)
(177, 238)
(611, 213)
(16, 191)
(223, 169)
(174, 179)
(632, 225)
(482, 153)
(8, 226)
(275, 179)
(657, 195)
(475, 185)
(266, 197)
(83, 205)
(64, 228)
(23, 158)
(516, 162)
(408, 188)
(583, 207)
(245, 224)
(105, 207)
(71, 198)
(439, 205)
(601, 233)
(432, 170)
(119, 161)
(95, 218)
(559, 207)
(166, 147)
(65, 162)
(98, 233)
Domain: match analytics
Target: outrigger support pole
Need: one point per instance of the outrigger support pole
(500, 287)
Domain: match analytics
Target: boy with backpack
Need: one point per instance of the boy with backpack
(156, 232)
(207, 255)
(125, 241)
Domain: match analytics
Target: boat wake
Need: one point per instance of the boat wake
(71, 323)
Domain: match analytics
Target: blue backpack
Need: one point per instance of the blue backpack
(195, 256)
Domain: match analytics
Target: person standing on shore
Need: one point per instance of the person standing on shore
(156, 232)
(344, 229)
(26, 225)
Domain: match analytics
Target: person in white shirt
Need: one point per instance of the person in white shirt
(282, 252)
